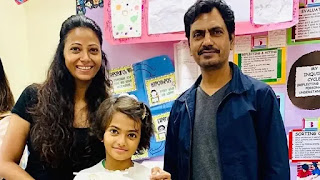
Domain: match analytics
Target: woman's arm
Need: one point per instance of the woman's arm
(12, 149)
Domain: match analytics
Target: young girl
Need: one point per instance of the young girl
(54, 117)
(125, 127)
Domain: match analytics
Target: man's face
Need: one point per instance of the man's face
(210, 44)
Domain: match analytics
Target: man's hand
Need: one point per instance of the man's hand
(159, 174)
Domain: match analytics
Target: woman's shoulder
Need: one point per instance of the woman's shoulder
(31, 90)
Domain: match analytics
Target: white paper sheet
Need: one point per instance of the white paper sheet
(272, 11)
(307, 81)
(166, 16)
(308, 26)
(186, 69)
(242, 44)
(277, 38)
(126, 18)
(261, 65)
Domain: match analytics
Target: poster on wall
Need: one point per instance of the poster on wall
(144, 155)
(242, 44)
(160, 125)
(82, 5)
(272, 11)
(122, 80)
(158, 15)
(303, 84)
(308, 171)
(126, 18)
(161, 89)
(308, 81)
(304, 146)
(186, 69)
(158, 70)
(307, 30)
(267, 65)
(277, 38)
(311, 124)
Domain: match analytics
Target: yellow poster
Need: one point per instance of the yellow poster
(122, 80)
(160, 123)
(145, 155)
(267, 65)
(161, 89)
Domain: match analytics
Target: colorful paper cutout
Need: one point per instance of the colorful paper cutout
(126, 18)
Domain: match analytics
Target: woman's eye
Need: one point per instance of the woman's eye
(75, 49)
(94, 50)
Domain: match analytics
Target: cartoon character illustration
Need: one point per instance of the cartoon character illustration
(162, 132)
(88, 4)
(154, 96)
(81, 8)
(96, 3)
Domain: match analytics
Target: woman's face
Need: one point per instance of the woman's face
(82, 53)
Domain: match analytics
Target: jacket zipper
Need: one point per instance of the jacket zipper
(189, 173)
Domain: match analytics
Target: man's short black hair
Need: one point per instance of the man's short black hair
(206, 6)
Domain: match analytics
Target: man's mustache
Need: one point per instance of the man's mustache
(208, 49)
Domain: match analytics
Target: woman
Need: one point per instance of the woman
(6, 97)
(6, 102)
(54, 117)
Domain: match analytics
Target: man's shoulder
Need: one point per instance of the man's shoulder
(258, 85)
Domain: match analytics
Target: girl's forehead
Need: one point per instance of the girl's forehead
(124, 122)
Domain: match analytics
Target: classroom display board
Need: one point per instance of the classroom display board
(263, 50)
(145, 21)
(152, 81)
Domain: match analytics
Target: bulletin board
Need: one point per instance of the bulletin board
(244, 25)
(152, 81)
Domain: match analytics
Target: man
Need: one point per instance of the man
(227, 125)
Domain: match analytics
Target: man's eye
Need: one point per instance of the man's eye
(196, 35)
(217, 32)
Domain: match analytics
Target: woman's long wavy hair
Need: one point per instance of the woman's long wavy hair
(6, 97)
(53, 133)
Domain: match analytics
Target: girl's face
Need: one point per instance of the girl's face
(82, 53)
(122, 137)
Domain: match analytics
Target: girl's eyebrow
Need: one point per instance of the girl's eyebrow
(114, 127)
(135, 130)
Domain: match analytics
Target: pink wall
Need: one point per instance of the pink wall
(121, 55)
